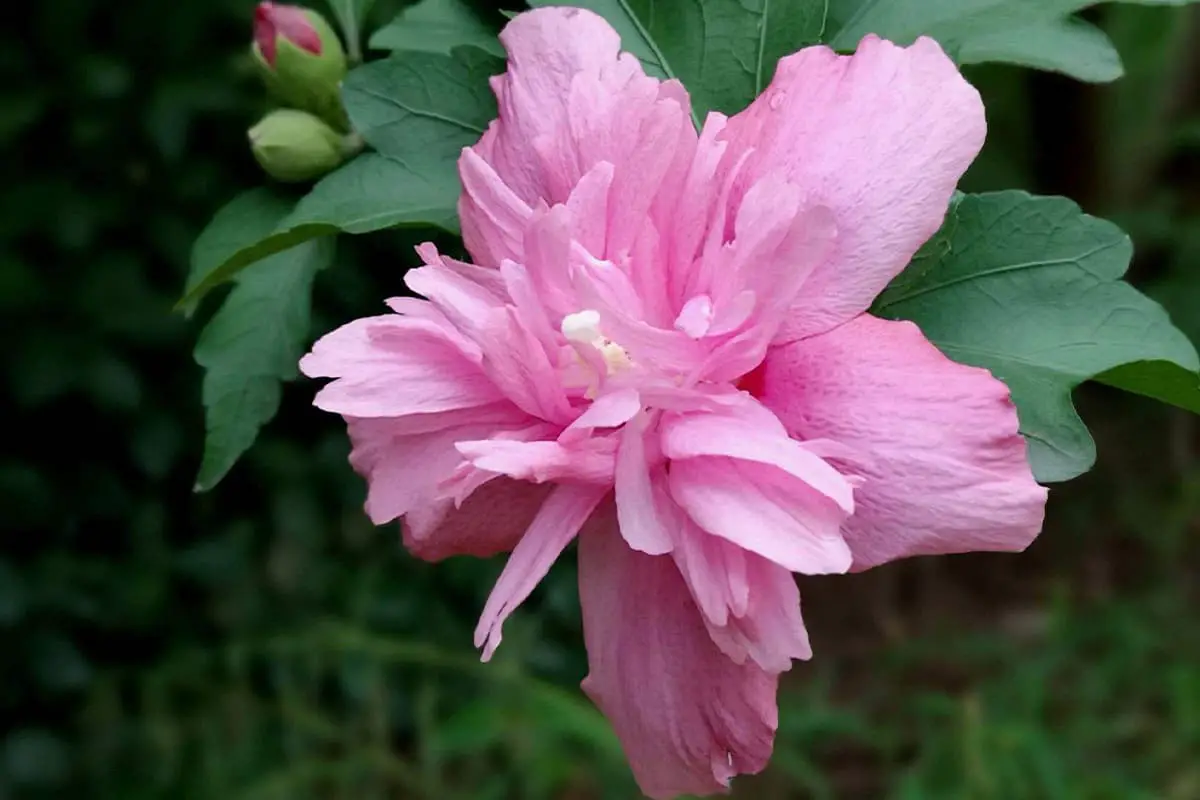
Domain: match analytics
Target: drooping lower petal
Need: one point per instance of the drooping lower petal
(403, 469)
(558, 520)
(750, 605)
(945, 469)
(688, 717)
(490, 521)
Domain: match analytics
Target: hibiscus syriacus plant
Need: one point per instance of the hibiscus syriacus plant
(715, 350)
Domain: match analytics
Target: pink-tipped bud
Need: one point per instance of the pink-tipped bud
(301, 60)
(275, 20)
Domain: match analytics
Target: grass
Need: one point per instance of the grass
(1070, 671)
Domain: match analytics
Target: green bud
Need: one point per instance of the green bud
(296, 146)
(301, 60)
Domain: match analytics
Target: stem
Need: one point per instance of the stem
(353, 40)
(352, 144)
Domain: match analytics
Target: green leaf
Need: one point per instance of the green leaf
(419, 106)
(1030, 288)
(251, 344)
(437, 26)
(374, 192)
(724, 51)
(370, 193)
(231, 241)
(787, 27)
(350, 15)
(1043, 34)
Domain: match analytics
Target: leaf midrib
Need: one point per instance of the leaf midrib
(762, 47)
(1068, 8)
(1057, 262)
(654, 48)
(393, 101)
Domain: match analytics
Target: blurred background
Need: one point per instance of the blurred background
(264, 641)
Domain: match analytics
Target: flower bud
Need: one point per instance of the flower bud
(295, 146)
(301, 59)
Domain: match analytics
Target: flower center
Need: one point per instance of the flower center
(583, 327)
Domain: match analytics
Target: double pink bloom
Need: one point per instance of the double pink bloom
(662, 351)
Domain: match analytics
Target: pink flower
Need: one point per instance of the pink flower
(662, 350)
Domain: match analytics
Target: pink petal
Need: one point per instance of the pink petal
(570, 103)
(588, 207)
(559, 519)
(397, 392)
(420, 312)
(529, 306)
(692, 435)
(375, 342)
(777, 275)
(402, 469)
(751, 606)
(488, 286)
(881, 138)
(754, 507)
(547, 243)
(392, 366)
(716, 201)
(643, 262)
(770, 632)
(493, 217)
(696, 316)
(501, 415)
(638, 514)
(687, 716)
(946, 470)
(490, 521)
(589, 460)
(714, 569)
(467, 294)
(520, 368)
(690, 219)
(531, 146)
(671, 195)
(606, 411)
(643, 166)
(734, 313)
(764, 221)
(606, 289)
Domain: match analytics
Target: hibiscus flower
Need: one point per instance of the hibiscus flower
(662, 350)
